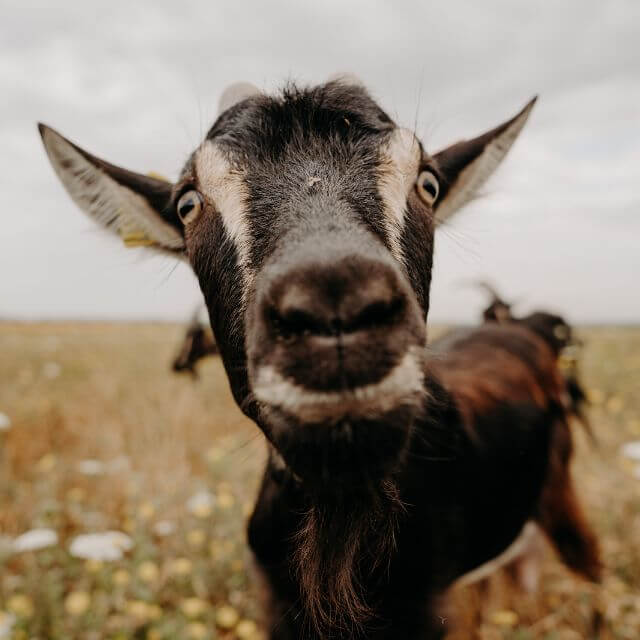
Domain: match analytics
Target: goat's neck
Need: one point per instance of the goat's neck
(347, 537)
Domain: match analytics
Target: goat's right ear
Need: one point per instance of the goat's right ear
(135, 206)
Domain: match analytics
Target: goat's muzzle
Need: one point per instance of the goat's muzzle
(335, 361)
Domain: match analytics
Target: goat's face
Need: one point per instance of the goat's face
(308, 220)
(552, 328)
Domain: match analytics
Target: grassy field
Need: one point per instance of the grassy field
(102, 436)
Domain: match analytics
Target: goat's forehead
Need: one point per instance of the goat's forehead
(262, 127)
(334, 121)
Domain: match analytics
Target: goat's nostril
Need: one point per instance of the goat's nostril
(297, 322)
(377, 314)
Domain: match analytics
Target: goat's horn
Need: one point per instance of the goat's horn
(481, 284)
(346, 78)
(235, 93)
(490, 290)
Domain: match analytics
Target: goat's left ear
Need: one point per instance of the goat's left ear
(465, 166)
(132, 205)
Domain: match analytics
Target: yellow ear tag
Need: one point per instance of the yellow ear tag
(132, 235)
(158, 176)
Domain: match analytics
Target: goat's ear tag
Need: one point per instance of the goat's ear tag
(158, 176)
(132, 235)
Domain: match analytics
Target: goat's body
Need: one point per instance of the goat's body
(475, 472)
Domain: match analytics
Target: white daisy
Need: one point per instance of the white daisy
(5, 422)
(631, 450)
(201, 504)
(164, 528)
(34, 540)
(7, 620)
(51, 370)
(106, 546)
(90, 467)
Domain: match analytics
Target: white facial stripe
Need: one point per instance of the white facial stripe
(225, 187)
(399, 168)
(404, 383)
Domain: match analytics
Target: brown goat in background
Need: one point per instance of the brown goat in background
(559, 335)
(198, 343)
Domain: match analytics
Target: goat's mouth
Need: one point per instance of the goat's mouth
(355, 433)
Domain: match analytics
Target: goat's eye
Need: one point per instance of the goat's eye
(189, 206)
(428, 187)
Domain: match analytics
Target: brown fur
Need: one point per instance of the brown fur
(560, 514)
(493, 365)
(337, 549)
(483, 370)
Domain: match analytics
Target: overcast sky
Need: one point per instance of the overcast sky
(137, 83)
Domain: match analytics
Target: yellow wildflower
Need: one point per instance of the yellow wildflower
(226, 500)
(120, 577)
(615, 405)
(181, 567)
(139, 610)
(76, 494)
(197, 631)
(596, 396)
(128, 525)
(193, 607)
(154, 611)
(505, 618)
(215, 454)
(226, 617)
(196, 538)
(77, 603)
(146, 511)
(46, 463)
(148, 572)
(237, 565)
(246, 630)
(21, 605)
(93, 566)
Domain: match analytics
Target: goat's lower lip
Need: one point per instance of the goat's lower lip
(403, 384)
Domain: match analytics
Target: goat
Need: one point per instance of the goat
(198, 343)
(559, 336)
(523, 559)
(461, 358)
(309, 221)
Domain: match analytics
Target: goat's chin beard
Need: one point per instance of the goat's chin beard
(351, 454)
(331, 576)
